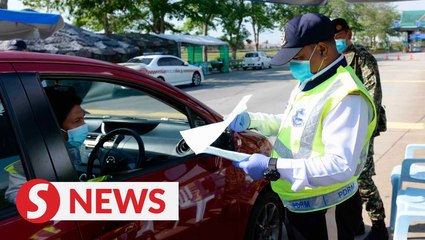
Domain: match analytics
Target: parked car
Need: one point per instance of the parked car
(168, 68)
(216, 200)
(256, 60)
(415, 48)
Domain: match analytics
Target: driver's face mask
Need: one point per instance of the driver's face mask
(76, 136)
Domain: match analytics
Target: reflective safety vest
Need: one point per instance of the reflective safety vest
(300, 136)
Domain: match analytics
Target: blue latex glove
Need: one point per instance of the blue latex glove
(254, 166)
(241, 122)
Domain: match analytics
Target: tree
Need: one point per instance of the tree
(377, 22)
(107, 15)
(285, 12)
(158, 11)
(232, 16)
(113, 15)
(369, 21)
(201, 14)
(261, 15)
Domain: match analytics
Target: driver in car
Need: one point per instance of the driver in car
(66, 105)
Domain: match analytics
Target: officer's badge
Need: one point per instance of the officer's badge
(298, 118)
(338, 27)
(283, 37)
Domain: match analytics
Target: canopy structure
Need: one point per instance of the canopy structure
(148, 44)
(187, 40)
(28, 24)
(72, 40)
(194, 46)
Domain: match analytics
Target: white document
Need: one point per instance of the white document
(199, 138)
(231, 155)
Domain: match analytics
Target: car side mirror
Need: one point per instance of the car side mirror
(186, 64)
(224, 141)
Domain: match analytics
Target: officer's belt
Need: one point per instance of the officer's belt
(323, 201)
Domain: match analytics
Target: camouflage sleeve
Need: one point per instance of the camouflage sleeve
(371, 79)
(370, 76)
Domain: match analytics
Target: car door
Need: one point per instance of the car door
(25, 132)
(183, 70)
(110, 105)
(171, 71)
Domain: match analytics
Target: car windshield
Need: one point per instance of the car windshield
(140, 60)
(106, 100)
(251, 55)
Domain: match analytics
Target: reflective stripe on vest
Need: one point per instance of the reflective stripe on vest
(322, 201)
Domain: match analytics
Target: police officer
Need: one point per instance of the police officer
(322, 137)
(366, 68)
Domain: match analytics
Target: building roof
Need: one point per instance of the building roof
(409, 19)
(186, 40)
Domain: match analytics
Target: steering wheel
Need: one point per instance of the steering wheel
(114, 160)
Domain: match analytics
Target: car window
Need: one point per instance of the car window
(9, 160)
(251, 55)
(166, 61)
(111, 106)
(178, 62)
(140, 60)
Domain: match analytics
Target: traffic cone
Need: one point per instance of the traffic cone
(411, 57)
(386, 57)
(398, 56)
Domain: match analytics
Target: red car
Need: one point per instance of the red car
(216, 200)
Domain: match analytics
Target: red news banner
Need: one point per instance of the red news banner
(41, 201)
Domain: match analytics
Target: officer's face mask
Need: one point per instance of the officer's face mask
(300, 69)
(76, 136)
(341, 44)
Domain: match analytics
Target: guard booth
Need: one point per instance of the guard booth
(194, 46)
(412, 23)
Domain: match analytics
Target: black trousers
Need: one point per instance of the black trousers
(312, 225)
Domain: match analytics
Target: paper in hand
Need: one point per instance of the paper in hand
(199, 138)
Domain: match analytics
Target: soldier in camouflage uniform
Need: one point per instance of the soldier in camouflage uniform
(366, 68)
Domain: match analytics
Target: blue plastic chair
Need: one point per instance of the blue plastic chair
(416, 172)
(410, 208)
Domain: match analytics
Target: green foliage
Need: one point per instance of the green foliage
(369, 21)
(200, 14)
(262, 18)
(232, 16)
(284, 12)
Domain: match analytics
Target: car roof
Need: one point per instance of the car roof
(22, 57)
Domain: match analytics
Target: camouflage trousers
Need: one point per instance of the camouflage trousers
(368, 190)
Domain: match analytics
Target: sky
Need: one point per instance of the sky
(270, 36)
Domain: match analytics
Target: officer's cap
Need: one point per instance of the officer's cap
(340, 24)
(301, 31)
